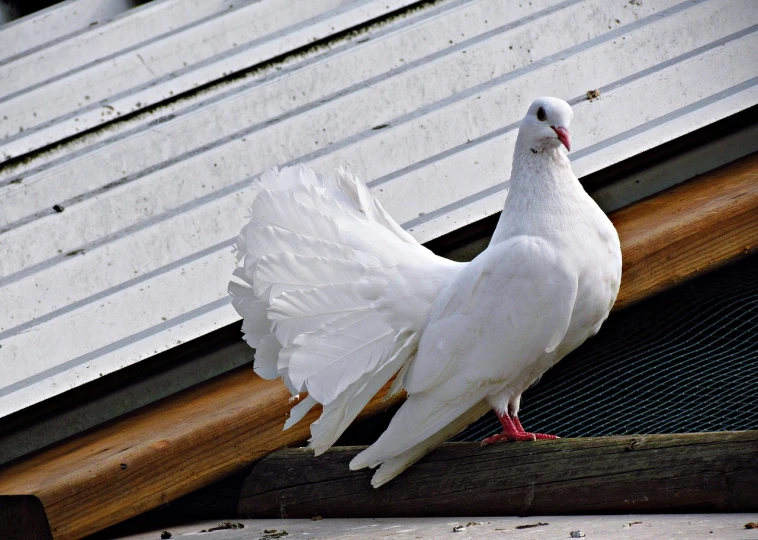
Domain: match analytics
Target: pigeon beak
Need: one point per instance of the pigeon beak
(563, 136)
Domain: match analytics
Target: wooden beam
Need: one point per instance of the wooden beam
(687, 230)
(192, 439)
(642, 473)
(158, 453)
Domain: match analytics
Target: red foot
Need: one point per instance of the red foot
(513, 431)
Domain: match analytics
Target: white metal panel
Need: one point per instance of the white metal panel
(231, 160)
(119, 84)
(349, 92)
(678, 169)
(35, 30)
(425, 108)
(228, 165)
(99, 42)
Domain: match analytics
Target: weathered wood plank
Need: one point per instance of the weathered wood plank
(650, 473)
(198, 436)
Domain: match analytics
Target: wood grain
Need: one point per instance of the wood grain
(687, 230)
(159, 453)
(192, 439)
(646, 473)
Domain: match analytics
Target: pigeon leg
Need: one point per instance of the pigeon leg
(510, 432)
(513, 431)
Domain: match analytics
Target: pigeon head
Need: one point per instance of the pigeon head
(546, 124)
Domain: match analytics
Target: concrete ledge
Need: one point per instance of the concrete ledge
(621, 527)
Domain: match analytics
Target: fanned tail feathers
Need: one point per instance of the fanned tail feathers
(311, 247)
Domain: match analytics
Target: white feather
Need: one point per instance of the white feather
(398, 463)
(319, 258)
(266, 356)
(255, 325)
(299, 411)
(299, 271)
(422, 418)
(330, 360)
(301, 311)
(340, 413)
(263, 240)
(397, 384)
(283, 210)
(369, 205)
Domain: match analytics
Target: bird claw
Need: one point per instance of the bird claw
(545, 436)
(513, 431)
(508, 437)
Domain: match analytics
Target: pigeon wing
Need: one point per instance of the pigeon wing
(488, 327)
(509, 306)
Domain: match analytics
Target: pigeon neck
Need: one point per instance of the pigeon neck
(544, 195)
(541, 175)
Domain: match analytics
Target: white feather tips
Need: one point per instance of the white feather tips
(266, 355)
(367, 204)
(299, 411)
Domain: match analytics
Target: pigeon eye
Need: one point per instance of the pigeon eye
(541, 116)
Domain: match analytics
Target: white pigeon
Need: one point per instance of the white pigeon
(337, 298)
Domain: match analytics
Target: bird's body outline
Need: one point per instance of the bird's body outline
(462, 337)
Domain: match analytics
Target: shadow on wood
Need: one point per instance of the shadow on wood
(645, 473)
(22, 517)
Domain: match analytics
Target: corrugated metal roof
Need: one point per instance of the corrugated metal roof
(53, 94)
(424, 105)
(53, 24)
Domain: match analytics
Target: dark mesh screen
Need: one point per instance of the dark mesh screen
(683, 361)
